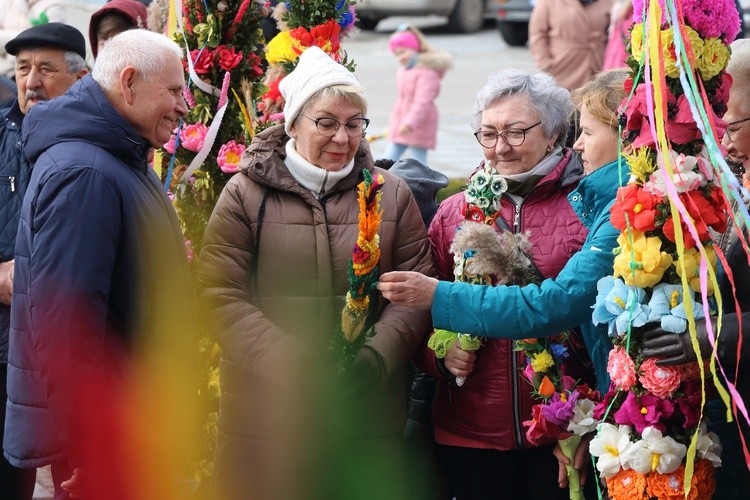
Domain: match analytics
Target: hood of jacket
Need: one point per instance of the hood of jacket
(436, 59)
(263, 161)
(83, 114)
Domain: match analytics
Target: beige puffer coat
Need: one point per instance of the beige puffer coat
(280, 417)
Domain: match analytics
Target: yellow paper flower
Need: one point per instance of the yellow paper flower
(281, 48)
(643, 264)
(542, 362)
(636, 41)
(669, 52)
(714, 58)
(692, 267)
(640, 163)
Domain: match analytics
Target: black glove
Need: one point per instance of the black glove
(676, 348)
(365, 372)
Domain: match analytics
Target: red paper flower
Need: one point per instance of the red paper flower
(204, 63)
(638, 205)
(539, 429)
(254, 61)
(228, 58)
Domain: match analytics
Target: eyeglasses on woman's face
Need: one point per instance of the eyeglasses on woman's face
(734, 127)
(328, 126)
(512, 136)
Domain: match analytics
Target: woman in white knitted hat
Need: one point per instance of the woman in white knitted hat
(274, 278)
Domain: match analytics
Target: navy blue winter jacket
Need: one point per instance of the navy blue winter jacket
(89, 284)
(14, 177)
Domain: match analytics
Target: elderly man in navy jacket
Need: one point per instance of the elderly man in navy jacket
(100, 260)
(49, 59)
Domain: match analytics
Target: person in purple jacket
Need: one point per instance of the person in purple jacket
(414, 119)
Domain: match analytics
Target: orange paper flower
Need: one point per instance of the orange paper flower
(546, 387)
(627, 485)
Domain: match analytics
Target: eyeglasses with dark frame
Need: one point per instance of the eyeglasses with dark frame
(512, 136)
(730, 132)
(328, 126)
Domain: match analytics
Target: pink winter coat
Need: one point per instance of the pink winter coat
(568, 39)
(418, 87)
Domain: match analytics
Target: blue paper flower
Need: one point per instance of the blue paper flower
(667, 306)
(619, 305)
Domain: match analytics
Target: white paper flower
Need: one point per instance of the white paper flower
(686, 176)
(666, 453)
(609, 444)
(499, 185)
(583, 420)
(482, 202)
(637, 457)
(480, 179)
(709, 446)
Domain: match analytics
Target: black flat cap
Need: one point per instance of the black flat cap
(56, 35)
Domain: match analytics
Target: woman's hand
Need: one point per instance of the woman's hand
(408, 288)
(460, 363)
(580, 459)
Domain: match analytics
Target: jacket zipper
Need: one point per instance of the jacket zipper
(513, 359)
(12, 182)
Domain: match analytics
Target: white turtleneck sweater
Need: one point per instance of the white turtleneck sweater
(319, 181)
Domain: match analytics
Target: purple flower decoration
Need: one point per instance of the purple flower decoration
(651, 411)
(560, 412)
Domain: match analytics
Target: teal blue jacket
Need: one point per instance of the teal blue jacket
(555, 305)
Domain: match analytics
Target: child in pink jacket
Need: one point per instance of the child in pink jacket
(414, 119)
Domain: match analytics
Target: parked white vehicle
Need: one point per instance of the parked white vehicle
(464, 16)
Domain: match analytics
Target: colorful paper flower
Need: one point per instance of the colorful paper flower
(662, 381)
(635, 207)
(654, 452)
(670, 486)
(229, 156)
(692, 259)
(542, 362)
(583, 421)
(559, 408)
(646, 410)
(619, 306)
(608, 445)
(627, 484)
(192, 136)
(621, 368)
(228, 57)
(667, 306)
(640, 263)
(539, 429)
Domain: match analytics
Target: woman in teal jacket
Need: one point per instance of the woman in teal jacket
(544, 309)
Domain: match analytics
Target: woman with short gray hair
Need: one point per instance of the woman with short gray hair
(521, 122)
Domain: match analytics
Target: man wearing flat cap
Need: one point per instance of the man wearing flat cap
(49, 59)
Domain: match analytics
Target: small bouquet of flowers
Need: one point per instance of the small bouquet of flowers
(363, 274)
(481, 254)
(566, 412)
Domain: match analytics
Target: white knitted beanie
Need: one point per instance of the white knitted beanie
(315, 70)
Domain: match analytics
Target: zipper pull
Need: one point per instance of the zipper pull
(517, 219)
(12, 184)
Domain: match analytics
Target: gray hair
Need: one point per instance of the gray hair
(140, 48)
(739, 68)
(552, 102)
(74, 62)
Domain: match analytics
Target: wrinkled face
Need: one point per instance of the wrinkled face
(515, 112)
(42, 74)
(403, 55)
(597, 143)
(329, 153)
(737, 137)
(158, 102)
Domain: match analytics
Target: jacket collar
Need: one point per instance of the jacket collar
(598, 189)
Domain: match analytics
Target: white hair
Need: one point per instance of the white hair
(739, 69)
(142, 49)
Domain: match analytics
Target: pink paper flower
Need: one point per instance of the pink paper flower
(169, 146)
(621, 368)
(689, 405)
(229, 157)
(192, 136)
(662, 381)
(646, 411)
